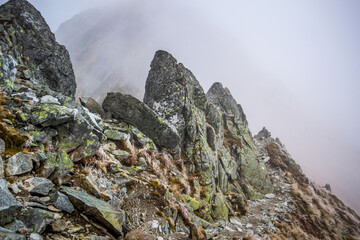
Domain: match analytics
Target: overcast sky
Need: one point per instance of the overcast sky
(301, 79)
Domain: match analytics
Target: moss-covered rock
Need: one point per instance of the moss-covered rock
(115, 135)
(37, 219)
(220, 211)
(191, 202)
(112, 218)
(56, 166)
(7, 72)
(51, 115)
(216, 143)
(89, 148)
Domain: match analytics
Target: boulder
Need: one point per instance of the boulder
(92, 105)
(138, 114)
(74, 133)
(19, 164)
(9, 206)
(39, 186)
(38, 44)
(87, 149)
(47, 115)
(56, 166)
(37, 219)
(6, 234)
(63, 203)
(111, 218)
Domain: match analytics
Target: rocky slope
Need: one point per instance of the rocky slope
(182, 164)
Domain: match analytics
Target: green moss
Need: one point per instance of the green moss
(64, 160)
(220, 210)
(191, 202)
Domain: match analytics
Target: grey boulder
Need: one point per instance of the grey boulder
(39, 186)
(19, 164)
(37, 219)
(6, 234)
(63, 203)
(9, 206)
(138, 114)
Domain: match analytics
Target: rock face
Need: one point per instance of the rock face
(213, 129)
(38, 45)
(102, 211)
(136, 113)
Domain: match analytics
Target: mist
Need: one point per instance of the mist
(292, 65)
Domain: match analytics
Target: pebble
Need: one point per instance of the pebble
(155, 224)
(249, 225)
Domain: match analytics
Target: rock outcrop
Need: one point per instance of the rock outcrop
(215, 139)
(29, 40)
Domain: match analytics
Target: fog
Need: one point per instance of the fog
(294, 66)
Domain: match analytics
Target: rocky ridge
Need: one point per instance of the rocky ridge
(182, 164)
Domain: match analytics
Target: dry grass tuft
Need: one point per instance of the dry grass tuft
(138, 234)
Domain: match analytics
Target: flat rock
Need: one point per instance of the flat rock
(115, 135)
(121, 155)
(270, 196)
(35, 236)
(39, 186)
(19, 164)
(138, 114)
(9, 206)
(100, 210)
(6, 234)
(47, 115)
(63, 203)
(49, 99)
